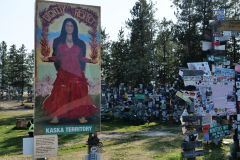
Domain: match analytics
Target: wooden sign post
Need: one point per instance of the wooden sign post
(190, 142)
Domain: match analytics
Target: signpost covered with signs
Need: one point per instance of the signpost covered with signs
(217, 91)
(191, 144)
(214, 97)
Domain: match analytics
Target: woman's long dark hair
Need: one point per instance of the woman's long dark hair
(62, 39)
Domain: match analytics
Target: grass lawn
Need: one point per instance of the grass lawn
(10, 137)
(130, 146)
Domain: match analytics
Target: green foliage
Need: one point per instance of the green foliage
(231, 8)
(142, 25)
(233, 50)
(16, 68)
(192, 18)
(105, 55)
(166, 59)
(12, 66)
(120, 62)
(193, 24)
(3, 65)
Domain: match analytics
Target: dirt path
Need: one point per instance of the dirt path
(14, 105)
(124, 135)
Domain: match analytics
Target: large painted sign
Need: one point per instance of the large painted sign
(67, 79)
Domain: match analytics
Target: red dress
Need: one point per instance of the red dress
(69, 97)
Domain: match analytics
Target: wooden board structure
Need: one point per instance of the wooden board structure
(229, 25)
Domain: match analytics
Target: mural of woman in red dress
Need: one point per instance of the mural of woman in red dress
(69, 97)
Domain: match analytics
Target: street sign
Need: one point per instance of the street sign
(218, 132)
(219, 14)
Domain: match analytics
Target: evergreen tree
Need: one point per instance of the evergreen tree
(106, 58)
(30, 74)
(193, 24)
(120, 62)
(23, 73)
(230, 7)
(142, 28)
(233, 50)
(12, 68)
(29, 62)
(188, 30)
(3, 66)
(234, 12)
(166, 58)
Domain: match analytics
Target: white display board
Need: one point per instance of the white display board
(28, 146)
(45, 146)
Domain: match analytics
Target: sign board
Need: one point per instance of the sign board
(191, 118)
(93, 156)
(205, 129)
(212, 99)
(28, 146)
(188, 72)
(200, 66)
(68, 129)
(185, 98)
(219, 14)
(217, 58)
(191, 145)
(67, 77)
(45, 146)
(192, 154)
(238, 130)
(238, 126)
(224, 72)
(139, 96)
(220, 47)
(230, 25)
(206, 45)
(221, 39)
(238, 117)
(206, 120)
(218, 132)
(227, 33)
(237, 69)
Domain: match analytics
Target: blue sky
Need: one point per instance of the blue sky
(17, 17)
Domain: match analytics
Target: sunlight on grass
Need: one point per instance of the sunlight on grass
(10, 137)
(119, 126)
(129, 147)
